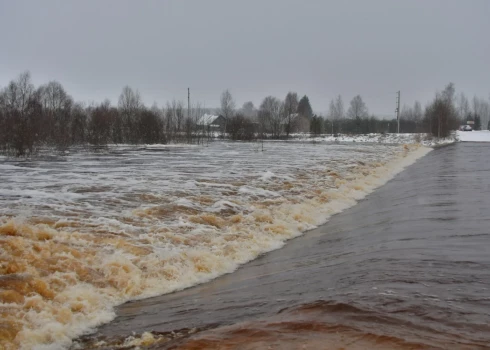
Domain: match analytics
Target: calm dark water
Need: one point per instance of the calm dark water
(407, 267)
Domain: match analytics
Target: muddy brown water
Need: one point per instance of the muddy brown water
(408, 267)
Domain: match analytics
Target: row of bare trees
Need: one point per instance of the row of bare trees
(275, 118)
(442, 115)
(32, 117)
(447, 111)
(478, 110)
(278, 118)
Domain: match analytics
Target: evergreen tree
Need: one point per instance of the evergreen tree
(304, 108)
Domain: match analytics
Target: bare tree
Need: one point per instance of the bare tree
(57, 105)
(357, 108)
(448, 93)
(290, 111)
(463, 106)
(336, 113)
(179, 114)
(196, 112)
(441, 113)
(270, 115)
(417, 116)
(100, 123)
(169, 120)
(485, 113)
(150, 128)
(227, 108)
(158, 113)
(411, 118)
(79, 125)
(129, 106)
(441, 116)
(406, 113)
(21, 110)
(248, 110)
(54, 96)
(476, 105)
(25, 90)
(240, 128)
(227, 104)
(481, 109)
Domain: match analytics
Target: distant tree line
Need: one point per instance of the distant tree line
(32, 117)
(442, 115)
(280, 118)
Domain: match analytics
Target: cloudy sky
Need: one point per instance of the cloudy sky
(255, 48)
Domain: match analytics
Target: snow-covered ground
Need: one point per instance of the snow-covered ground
(473, 136)
(422, 139)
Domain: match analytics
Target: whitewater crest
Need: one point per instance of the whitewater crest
(76, 246)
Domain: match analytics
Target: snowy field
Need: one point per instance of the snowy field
(377, 138)
(473, 136)
(85, 232)
(414, 138)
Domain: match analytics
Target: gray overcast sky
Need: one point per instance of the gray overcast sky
(254, 47)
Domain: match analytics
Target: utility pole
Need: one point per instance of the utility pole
(188, 103)
(398, 110)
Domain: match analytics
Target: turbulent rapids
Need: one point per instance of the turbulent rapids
(84, 232)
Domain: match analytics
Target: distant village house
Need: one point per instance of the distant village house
(210, 123)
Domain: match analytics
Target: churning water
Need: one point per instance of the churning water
(407, 268)
(85, 232)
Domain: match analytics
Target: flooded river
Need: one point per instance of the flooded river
(203, 247)
(406, 268)
(85, 231)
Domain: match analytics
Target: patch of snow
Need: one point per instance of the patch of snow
(473, 136)
(414, 138)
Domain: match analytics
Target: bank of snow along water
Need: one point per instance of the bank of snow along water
(473, 136)
(87, 232)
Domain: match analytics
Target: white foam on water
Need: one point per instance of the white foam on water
(67, 263)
